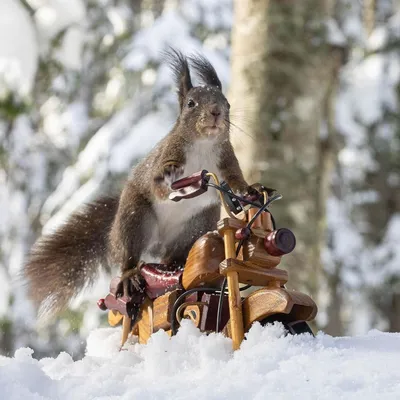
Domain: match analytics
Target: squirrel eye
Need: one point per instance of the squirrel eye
(191, 103)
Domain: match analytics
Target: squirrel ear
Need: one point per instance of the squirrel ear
(180, 68)
(205, 70)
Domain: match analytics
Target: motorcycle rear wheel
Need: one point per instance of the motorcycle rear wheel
(292, 327)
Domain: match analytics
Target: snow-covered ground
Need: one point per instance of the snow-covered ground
(191, 365)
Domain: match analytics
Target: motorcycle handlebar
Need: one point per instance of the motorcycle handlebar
(194, 179)
(197, 184)
(190, 186)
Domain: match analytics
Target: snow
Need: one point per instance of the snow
(335, 36)
(19, 53)
(171, 29)
(352, 26)
(193, 365)
(70, 53)
(212, 14)
(387, 255)
(348, 244)
(149, 44)
(140, 141)
(117, 17)
(52, 16)
(369, 90)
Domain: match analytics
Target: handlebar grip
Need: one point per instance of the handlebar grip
(194, 190)
(197, 177)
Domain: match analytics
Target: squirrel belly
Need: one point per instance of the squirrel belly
(173, 219)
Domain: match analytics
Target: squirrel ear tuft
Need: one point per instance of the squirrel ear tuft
(180, 68)
(205, 70)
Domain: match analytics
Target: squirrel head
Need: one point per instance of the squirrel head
(204, 110)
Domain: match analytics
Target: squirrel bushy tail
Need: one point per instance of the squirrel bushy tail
(63, 262)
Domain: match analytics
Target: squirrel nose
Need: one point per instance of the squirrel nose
(215, 110)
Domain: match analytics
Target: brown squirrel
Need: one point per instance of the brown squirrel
(142, 223)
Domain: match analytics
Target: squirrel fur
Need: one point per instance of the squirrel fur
(142, 223)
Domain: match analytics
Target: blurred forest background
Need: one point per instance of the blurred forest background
(315, 93)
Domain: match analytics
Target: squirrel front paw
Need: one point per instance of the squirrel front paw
(255, 192)
(171, 172)
(259, 188)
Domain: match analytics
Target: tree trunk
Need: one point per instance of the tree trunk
(369, 7)
(335, 324)
(326, 163)
(287, 85)
(249, 85)
(394, 315)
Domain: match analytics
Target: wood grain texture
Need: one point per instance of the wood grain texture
(263, 221)
(194, 313)
(114, 317)
(146, 322)
(234, 297)
(135, 329)
(253, 248)
(126, 329)
(202, 264)
(162, 308)
(265, 302)
(230, 224)
(253, 274)
(254, 251)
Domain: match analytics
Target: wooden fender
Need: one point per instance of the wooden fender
(265, 302)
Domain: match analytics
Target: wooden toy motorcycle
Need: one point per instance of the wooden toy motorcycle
(245, 249)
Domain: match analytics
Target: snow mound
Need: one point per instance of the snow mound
(192, 365)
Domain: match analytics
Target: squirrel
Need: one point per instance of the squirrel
(142, 223)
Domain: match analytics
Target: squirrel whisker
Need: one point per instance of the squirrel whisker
(240, 129)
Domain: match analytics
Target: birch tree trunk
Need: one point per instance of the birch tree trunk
(249, 85)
